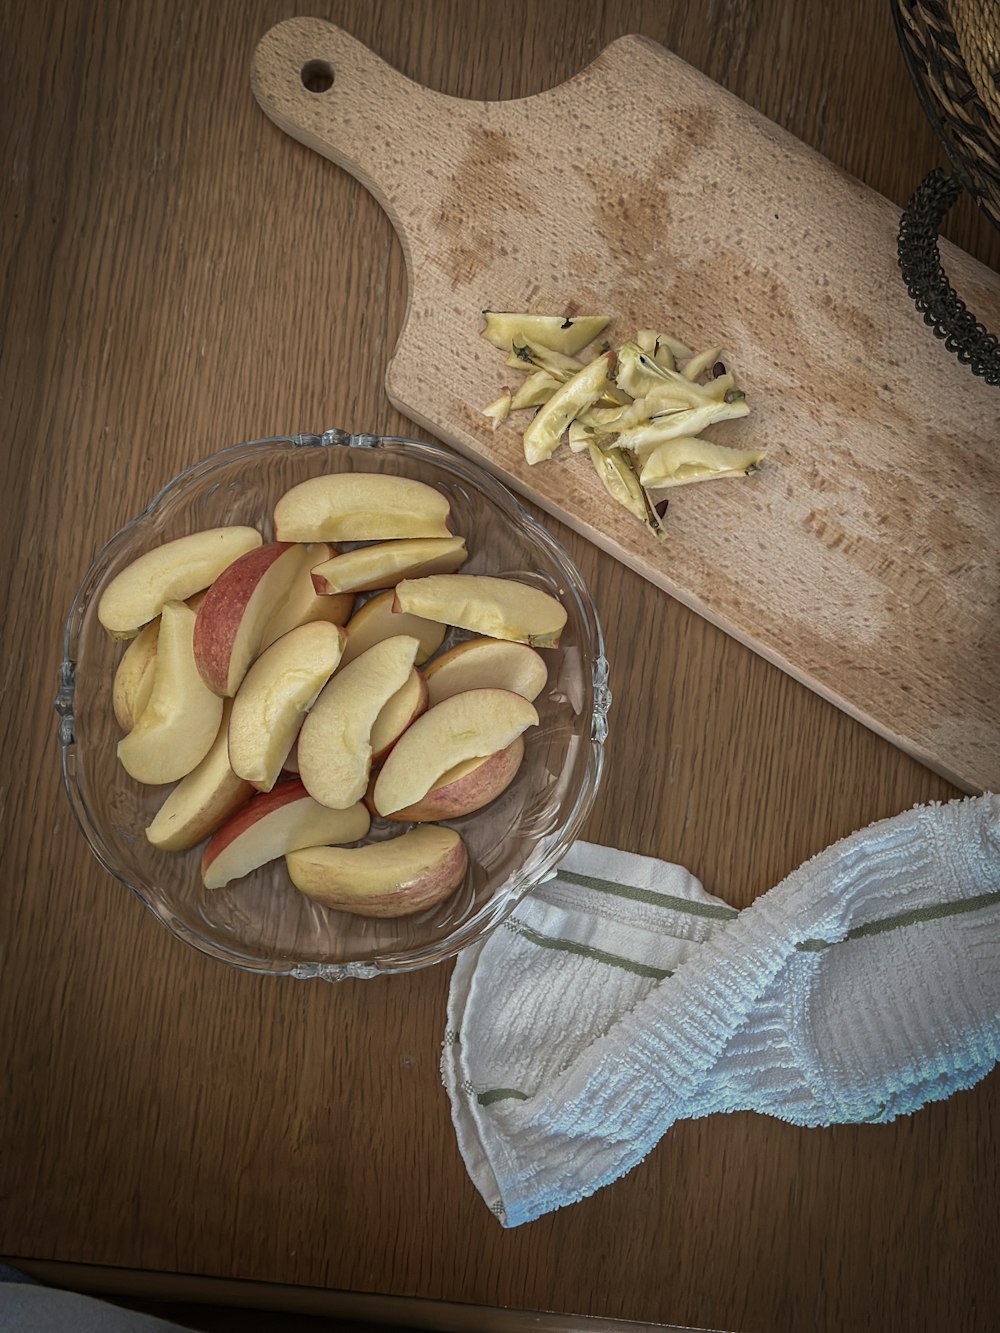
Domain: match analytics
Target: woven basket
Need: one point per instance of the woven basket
(952, 49)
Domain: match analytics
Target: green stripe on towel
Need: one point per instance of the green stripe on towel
(936, 912)
(588, 951)
(499, 1095)
(716, 912)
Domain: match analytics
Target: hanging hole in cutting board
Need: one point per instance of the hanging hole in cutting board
(317, 76)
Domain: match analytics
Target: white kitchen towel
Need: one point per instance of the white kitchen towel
(620, 997)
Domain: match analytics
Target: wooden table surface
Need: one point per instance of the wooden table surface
(178, 276)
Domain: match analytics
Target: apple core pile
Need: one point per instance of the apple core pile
(638, 411)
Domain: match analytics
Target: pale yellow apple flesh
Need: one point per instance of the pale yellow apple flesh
(567, 335)
(169, 573)
(277, 692)
(271, 824)
(484, 663)
(376, 620)
(201, 801)
(360, 507)
(290, 763)
(134, 677)
(367, 568)
(466, 726)
(177, 727)
(334, 750)
(467, 787)
(404, 875)
(303, 604)
(501, 608)
(234, 615)
(404, 707)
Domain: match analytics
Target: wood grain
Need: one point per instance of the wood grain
(177, 276)
(875, 521)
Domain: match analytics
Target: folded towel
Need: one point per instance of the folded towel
(620, 997)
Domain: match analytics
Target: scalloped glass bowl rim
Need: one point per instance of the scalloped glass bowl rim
(507, 896)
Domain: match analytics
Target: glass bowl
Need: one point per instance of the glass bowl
(262, 923)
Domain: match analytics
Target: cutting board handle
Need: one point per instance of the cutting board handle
(329, 91)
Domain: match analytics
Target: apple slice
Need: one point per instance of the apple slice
(465, 788)
(417, 870)
(566, 334)
(376, 620)
(271, 824)
(234, 615)
(169, 573)
(290, 763)
(501, 608)
(303, 604)
(398, 712)
(360, 507)
(384, 564)
(201, 801)
(466, 726)
(335, 751)
(177, 727)
(134, 676)
(483, 664)
(277, 692)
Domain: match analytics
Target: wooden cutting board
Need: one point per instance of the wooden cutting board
(864, 557)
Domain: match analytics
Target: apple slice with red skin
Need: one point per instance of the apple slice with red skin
(335, 751)
(486, 663)
(399, 877)
(464, 789)
(466, 726)
(383, 564)
(375, 620)
(234, 615)
(133, 681)
(180, 722)
(170, 572)
(501, 608)
(360, 507)
(271, 824)
(201, 801)
(303, 604)
(277, 693)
